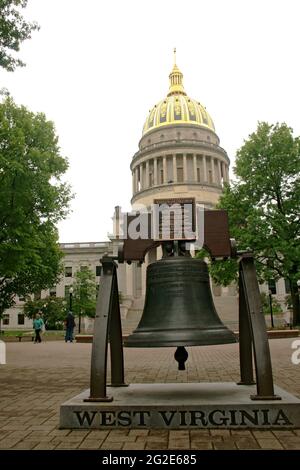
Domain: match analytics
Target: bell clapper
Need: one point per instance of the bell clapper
(181, 356)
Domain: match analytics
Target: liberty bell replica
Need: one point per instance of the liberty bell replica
(179, 309)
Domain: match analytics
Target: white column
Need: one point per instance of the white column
(174, 169)
(223, 171)
(141, 176)
(152, 256)
(227, 173)
(147, 185)
(195, 167)
(137, 280)
(219, 172)
(212, 160)
(144, 273)
(129, 279)
(204, 168)
(159, 252)
(133, 181)
(165, 169)
(184, 168)
(136, 179)
(155, 171)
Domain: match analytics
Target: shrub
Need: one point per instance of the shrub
(265, 300)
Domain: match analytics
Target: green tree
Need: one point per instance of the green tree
(265, 302)
(54, 311)
(84, 294)
(14, 29)
(223, 272)
(263, 204)
(32, 200)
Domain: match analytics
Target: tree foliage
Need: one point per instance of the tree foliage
(222, 272)
(14, 29)
(266, 307)
(32, 200)
(53, 311)
(263, 204)
(84, 293)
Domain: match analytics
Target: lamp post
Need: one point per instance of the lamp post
(298, 288)
(79, 322)
(71, 298)
(271, 308)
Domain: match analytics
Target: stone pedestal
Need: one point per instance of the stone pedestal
(182, 406)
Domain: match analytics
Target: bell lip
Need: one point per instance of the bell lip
(173, 344)
(148, 343)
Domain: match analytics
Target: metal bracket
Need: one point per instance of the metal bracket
(107, 327)
(253, 333)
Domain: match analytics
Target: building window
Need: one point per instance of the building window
(5, 319)
(21, 319)
(287, 286)
(198, 175)
(210, 180)
(161, 176)
(180, 175)
(68, 271)
(52, 292)
(98, 270)
(150, 179)
(272, 286)
(83, 268)
(67, 291)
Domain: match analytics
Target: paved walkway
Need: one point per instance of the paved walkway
(39, 377)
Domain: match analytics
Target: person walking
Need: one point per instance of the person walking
(70, 325)
(38, 326)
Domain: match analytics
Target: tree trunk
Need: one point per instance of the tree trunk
(295, 303)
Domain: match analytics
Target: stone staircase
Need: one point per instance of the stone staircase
(133, 316)
(227, 308)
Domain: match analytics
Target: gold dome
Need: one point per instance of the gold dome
(177, 108)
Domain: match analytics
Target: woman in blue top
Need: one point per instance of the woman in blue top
(38, 325)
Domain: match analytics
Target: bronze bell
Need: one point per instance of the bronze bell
(179, 309)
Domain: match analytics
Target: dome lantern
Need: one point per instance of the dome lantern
(176, 85)
(177, 107)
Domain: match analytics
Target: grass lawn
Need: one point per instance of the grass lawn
(13, 335)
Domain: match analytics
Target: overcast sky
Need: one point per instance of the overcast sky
(96, 68)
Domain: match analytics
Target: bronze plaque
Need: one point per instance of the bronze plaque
(174, 219)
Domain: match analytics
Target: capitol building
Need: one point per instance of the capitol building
(179, 156)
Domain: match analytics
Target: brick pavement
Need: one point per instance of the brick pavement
(38, 378)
